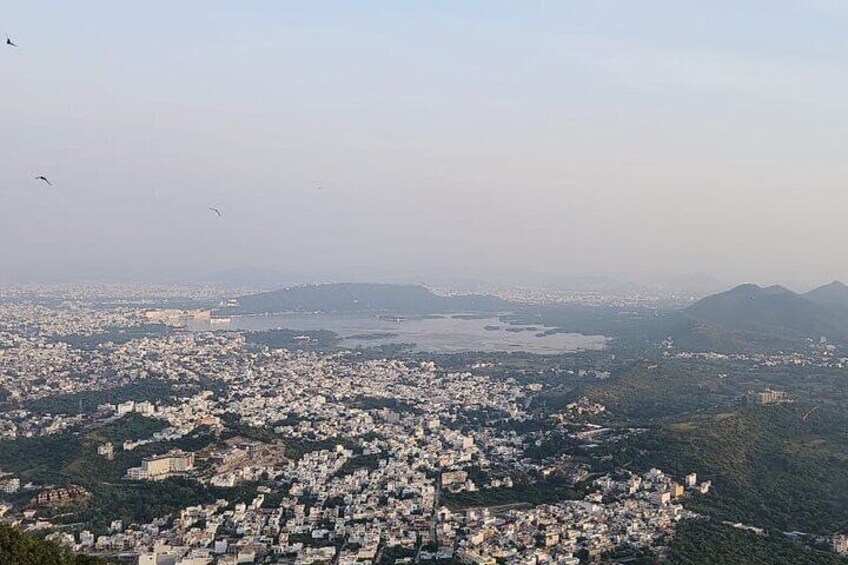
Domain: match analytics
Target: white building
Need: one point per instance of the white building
(125, 407)
(162, 466)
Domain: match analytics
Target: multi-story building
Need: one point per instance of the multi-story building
(454, 477)
(767, 396)
(162, 466)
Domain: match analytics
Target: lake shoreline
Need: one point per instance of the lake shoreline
(448, 333)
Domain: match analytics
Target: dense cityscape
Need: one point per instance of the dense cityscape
(392, 502)
(312, 454)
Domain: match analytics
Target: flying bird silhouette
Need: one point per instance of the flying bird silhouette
(10, 42)
(45, 179)
(215, 210)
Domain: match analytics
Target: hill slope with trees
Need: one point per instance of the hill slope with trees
(363, 298)
(17, 548)
(750, 312)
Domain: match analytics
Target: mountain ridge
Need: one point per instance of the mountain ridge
(834, 294)
(363, 297)
(772, 310)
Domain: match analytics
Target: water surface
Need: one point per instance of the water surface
(442, 334)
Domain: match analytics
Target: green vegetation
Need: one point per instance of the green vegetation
(390, 555)
(649, 391)
(132, 426)
(640, 391)
(295, 448)
(370, 462)
(701, 542)
(148, 389)
(72, 457)
(638, 327)
(88, 465)
(363, 297)
(117, 335)
(531, 493)
(773, 310)
(378, 402)
(696, 335)
(770, 467)
(38, 458)
(385, 350)
(141, 502)
(308, 541)
(369, 336)
(17, 548)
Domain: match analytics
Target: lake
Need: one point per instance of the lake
(437, 334)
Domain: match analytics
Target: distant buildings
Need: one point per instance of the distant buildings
(106, 450)
(585, 406)
(10, 485)
(767, 396)
(176, 317)
(58, 496)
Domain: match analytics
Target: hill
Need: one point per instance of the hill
(17, 547)
(769, 466)
(774, 311)
(696, 335)
(702, 542)
(362, 298)
(833, 295)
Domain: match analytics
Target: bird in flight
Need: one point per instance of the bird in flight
(45, 179)
(215, 210)
(9, 41)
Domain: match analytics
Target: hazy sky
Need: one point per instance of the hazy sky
(467, 139)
